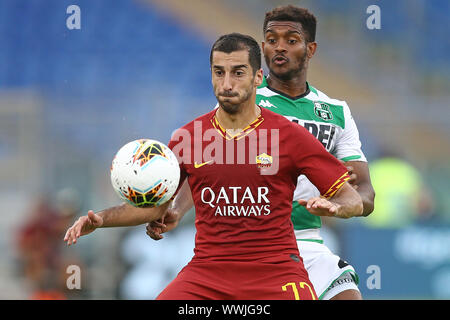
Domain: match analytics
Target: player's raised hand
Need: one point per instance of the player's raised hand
(320, 206)
(83, 226)
(168, 222)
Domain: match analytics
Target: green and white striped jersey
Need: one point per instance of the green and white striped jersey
(331, 122)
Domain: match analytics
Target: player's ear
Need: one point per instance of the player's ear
(262, 45)
(259, 77)
(311, 48)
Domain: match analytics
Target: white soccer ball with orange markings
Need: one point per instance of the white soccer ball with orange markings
(145, 173)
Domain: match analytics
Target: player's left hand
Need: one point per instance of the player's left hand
(320, 206)
(168, 222)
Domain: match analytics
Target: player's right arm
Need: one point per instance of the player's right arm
(360, 180)
(123, 215)
(348, 150)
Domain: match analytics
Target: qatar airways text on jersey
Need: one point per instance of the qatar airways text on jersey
(237, 201)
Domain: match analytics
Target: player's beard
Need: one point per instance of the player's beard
(291, 73)
(235, 107)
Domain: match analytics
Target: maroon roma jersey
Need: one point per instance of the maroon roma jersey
(242, 185)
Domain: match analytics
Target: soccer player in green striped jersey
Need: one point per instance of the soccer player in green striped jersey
(289, 44)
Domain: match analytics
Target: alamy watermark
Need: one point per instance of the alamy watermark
(374, 280)
(208, 146)
(74, 20)
(374, 19)
(74, 279)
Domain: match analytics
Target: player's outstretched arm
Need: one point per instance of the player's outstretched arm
(181, 204)
(345, 203)
(123, 215)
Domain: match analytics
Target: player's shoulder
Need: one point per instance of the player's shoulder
(274, 118)
(316, 94)
(199, 120)
(278, 121)
(187, 130)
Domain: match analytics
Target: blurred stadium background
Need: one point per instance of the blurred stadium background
(69, 99)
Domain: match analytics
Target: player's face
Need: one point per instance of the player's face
(233, 80)
(285, 49)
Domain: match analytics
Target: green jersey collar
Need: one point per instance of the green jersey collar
(264, 84)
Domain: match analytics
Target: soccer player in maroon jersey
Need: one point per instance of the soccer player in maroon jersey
(241, 164)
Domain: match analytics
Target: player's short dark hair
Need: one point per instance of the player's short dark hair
(235, 42)
(295, 14)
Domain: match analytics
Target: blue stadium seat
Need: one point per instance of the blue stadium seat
(128, 44)
(122, 45)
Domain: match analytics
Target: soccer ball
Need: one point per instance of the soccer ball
(145, 173)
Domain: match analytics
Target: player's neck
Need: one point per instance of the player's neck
(240, 120)
(294, 87)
